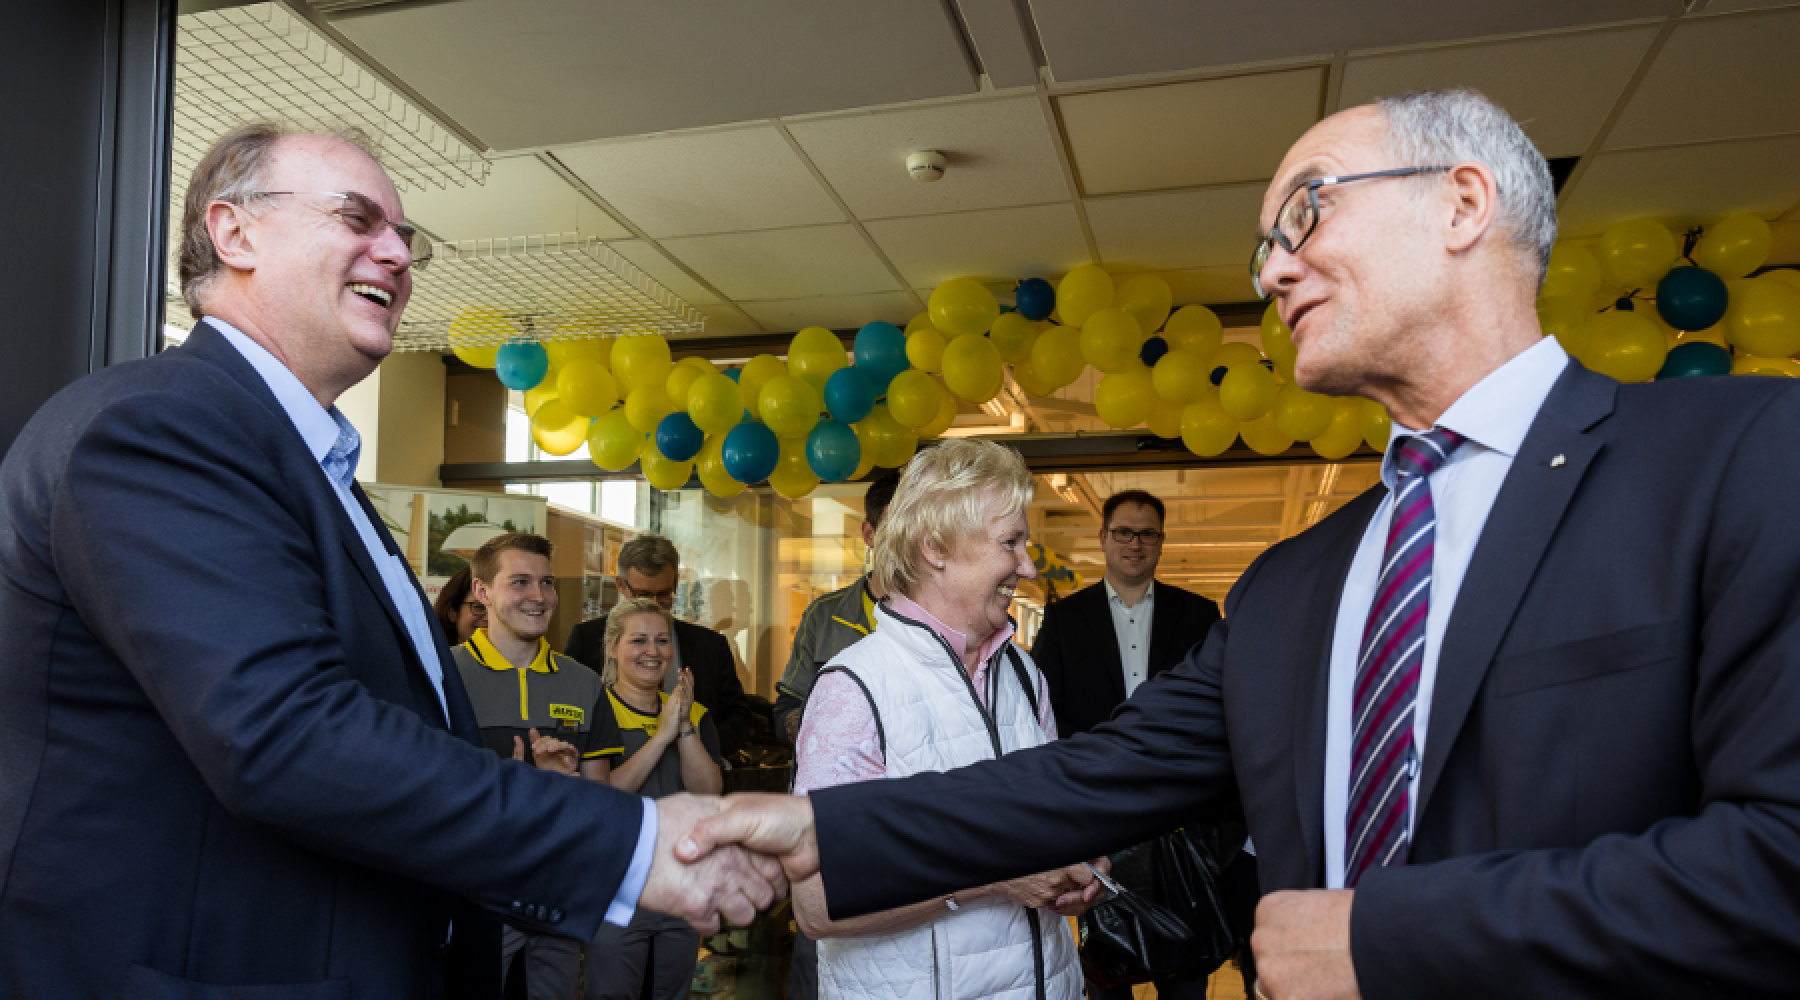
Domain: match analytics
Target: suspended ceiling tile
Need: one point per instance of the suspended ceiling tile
(1007, 243)
(1685, 184)
(785, 263)
(1084, 40)
(1001, 153)
(1188, 134)
(712, 182)
(724, 321)
(1717, 78)
(834, 312)
(1000, 41)
(522, 197)
(658, 266)
(549, 72)
(1729, 6)
(1573, 80)
(1178, 229)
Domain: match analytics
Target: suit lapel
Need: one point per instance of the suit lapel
(1100, 625)
(1164, 615)
(365, 564)
(1545, 474)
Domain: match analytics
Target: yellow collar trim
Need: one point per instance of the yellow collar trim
(485, 654)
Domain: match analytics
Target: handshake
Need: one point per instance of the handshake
(724, 859)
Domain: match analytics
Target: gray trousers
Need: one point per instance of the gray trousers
(552, 964)
(654, 948)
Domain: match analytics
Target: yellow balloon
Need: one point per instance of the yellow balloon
(1013, 336)
(596, 349)
(1278, 342)
(791, 406)
(814, 354)
(1248, 390)
(1083, 292)
(1181, 377)
(1628, 346)
(557, 429)
(1303, 415)
(1164, 420)
(1574, 273)
(1784, 275)
(1235, 353)
(914, 398)
(613, 443)
(892, 444)
(663, 473)
(756, 374)
(1636, 253)
(1111, 339)
(587, 387)
(1377, 425)
(1030, 381)
(703, 365)
(963, 306)
(646, 405)
(972, 368)
(715, 404)
(1056, 356)
(1123, 399)
(1714, 334)
(866, 463)
(536, 397)
(1566, 319)
(681, 379)
(920, 322)
(946, 416)
(1763, 318)
(1345, 432)
(1195, 329)
(1748, 365)
(710, 466)
(1734, 246)
(925, 349)
(642, 361)
(1206, 428)
(1148, 299)
(1263, 437)
(793, 478)
(476, 335)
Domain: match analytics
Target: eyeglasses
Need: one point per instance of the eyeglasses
(654, 595)
(361, 215)
(1125, 536)
(475, 607)
(1298, 217)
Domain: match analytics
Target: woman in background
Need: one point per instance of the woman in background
(457, 609)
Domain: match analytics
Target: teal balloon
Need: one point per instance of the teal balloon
(1695, 358)
(679, 438)
(880, 353)
(1691, 298)
(733, 373)
(1153, 351)
(522, 364)
(1036, 298)
(849, 394)
(833, 451)
(750, 452)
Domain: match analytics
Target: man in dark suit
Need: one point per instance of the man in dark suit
(650, 566)
(1586, 590)
(235, 758)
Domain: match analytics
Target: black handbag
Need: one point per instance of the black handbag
(1178, 872)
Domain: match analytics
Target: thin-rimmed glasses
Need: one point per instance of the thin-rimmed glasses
(1298, 217)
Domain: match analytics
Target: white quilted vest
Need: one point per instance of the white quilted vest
(930, 721)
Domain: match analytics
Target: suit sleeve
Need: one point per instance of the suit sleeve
(1701, 905)
(171, 493)
(1161, 760)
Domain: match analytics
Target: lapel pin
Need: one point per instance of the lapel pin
(1558, 460)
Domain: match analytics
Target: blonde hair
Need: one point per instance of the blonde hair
(615, 627)
(946, 494)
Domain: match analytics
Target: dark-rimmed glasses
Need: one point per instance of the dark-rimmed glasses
(1298, 217)
(1125, 536)
(361, 215)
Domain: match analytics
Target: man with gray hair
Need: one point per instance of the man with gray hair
(1518, 721)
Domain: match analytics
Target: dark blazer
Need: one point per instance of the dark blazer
(1078, 650)
(705, 652)
(221, 760)
(1610, 796)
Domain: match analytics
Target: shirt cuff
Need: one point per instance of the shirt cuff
(625, 903)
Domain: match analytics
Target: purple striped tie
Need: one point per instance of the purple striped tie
(1387, 674)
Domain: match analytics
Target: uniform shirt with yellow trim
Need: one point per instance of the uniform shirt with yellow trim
(555, 695)
(622, 732)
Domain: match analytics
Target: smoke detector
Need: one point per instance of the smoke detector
(926, 165)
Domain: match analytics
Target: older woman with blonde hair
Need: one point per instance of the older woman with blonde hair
(938, 684)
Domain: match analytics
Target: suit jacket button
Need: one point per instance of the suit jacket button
(518, 908)
(556, 915)
(540, 911)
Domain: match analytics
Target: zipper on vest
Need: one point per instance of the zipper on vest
(935, 984)
(993, 728)
(1037, 953)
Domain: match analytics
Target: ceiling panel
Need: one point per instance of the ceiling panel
(557, 71)
(1559, 87)
(785, 263)
(1717, 78)
(1084, 40)
(1179, 229)
(1187, 134)
(1685, 184)
(1001, 153)
(1000, 41)
(522, 197)
(1014, 243)
(1210, 286)
(724, 321)
(710, 182)
(834, 312)
(658, 266)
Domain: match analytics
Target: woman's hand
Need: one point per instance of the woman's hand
(1070, 886)
(548, 754)
(676, 709)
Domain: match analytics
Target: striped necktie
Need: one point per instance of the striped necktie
(1383, 757)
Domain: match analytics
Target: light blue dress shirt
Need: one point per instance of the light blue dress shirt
(1494, 415)
(335, 445)
(1131, 627)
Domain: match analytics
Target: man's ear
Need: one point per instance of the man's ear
(868, 534)
(478, 589)
(228, 226)
(1475, 205)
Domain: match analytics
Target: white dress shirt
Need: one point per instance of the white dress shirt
(1131, 626)
(335, 445)
(1494, 415)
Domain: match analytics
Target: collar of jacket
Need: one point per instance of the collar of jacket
(489, 657)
